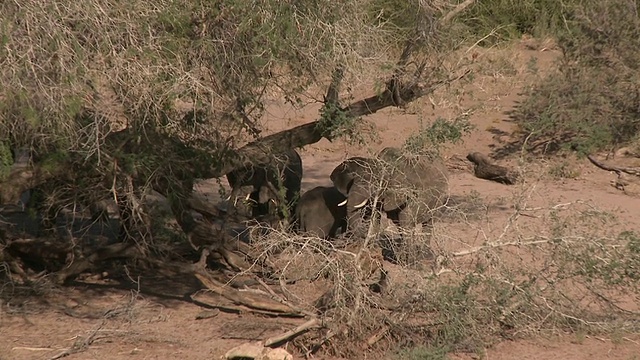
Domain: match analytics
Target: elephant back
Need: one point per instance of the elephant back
(418, 176)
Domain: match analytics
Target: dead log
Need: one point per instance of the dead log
(277, 340)
(484, 168)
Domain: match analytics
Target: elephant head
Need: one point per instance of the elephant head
(275, 184)
(353, 179)
(241, 201)
(357, 179)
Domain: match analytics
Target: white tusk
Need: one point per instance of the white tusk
(228, 198)
(247, 197)
(273, 201)
(361, 204)
(343, 203)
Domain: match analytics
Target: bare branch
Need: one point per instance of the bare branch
(616, 169)
(458, 9)
(274, 341)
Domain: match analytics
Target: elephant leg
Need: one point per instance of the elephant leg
(357, 222)
(260, 208)
(271, 202)
(407, 219)
(416, 243)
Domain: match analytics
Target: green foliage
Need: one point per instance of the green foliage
(335, 123)
(187, 79)
(510, 19)
(591, 101)
(439, 133)
(6, 160)
(618, 268)
(423, 353)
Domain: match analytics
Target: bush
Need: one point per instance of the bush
(592, 101)
(510, 19)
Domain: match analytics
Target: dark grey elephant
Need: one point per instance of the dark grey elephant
(275, 185)
(319, 212)
(408, 187)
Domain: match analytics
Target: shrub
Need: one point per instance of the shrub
(593, 100)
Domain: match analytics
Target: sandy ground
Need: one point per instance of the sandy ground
(160, 323)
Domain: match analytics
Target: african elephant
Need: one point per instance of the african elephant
(319, 212)
(276, 182)
(408, 187)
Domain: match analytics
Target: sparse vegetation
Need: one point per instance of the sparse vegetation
(510, 19)
(590, 102)
(564, 169)
(439, 134)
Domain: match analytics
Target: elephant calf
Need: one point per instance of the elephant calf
(320, 213)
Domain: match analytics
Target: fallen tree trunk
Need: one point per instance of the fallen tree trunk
(485, 169)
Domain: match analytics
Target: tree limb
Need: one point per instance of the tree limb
(306, 134)
(276, 340)
(618, 170)
(457, 10)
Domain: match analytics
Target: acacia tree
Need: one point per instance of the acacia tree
(112, 98)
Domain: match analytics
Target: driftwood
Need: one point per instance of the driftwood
(484, 168)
